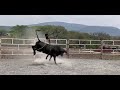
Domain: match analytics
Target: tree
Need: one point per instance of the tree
(53, 31)
(18, 31)
(100, 35)
(3, 32)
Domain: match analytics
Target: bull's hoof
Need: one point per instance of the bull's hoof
(56, 64)
(34, 52)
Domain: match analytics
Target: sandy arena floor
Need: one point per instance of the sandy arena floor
(41, 66)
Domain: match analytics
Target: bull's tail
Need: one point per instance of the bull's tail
(66, 52)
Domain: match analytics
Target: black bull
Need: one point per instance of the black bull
(52, 50)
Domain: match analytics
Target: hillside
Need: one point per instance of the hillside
(5, 27)
(113, 31)
(109, 30)
(68, 26)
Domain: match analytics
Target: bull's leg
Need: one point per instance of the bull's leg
(34, 57)
(34, 51)
(47, 56)
(50, 57)
(55, 60)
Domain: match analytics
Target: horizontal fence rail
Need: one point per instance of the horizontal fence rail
(16, 46)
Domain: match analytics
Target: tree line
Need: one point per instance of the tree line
(55, 32)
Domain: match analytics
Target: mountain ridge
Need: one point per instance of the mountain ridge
(113, 31)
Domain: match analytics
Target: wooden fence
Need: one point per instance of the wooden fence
(15, 46)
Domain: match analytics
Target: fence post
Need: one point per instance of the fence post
(0, 48)
(68, 47)
(18, 47)
(12, 40)
(101, 49)
(113, 43)
(56, 41)
(23, 41)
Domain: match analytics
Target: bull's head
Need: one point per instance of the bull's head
(38, 46)
(35, 47)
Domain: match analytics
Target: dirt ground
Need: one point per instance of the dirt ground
(41, 66)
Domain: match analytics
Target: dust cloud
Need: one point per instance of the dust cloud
(31, 34)
(41, 59)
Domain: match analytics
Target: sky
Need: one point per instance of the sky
(92, 20)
